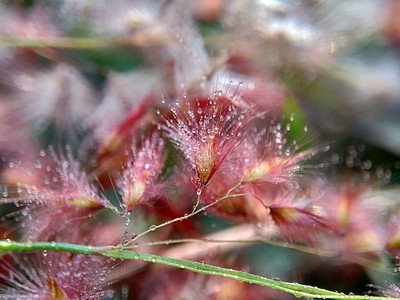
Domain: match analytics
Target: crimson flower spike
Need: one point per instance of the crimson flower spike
(138, 180)
(297, 217)
(65, 194)
(50, 275)
(206, 131)
(273, 159)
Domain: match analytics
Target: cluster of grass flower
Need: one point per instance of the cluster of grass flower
(187, 129)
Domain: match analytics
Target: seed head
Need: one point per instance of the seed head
(206, 131)
(297, 217)
(140, 174)
(271, 158)
(64, 194)
(54, 276)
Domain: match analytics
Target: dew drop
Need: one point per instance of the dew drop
(38, 164)
(367, 165)
(5, 192)
(335, 158)
(153, 227)
(44, 252)
(198, 192)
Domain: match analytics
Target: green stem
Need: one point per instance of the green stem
(77, 42)
(295, 289)
(59, 42)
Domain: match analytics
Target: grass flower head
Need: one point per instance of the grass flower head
(206, 131)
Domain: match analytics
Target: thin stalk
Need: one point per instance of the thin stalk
(198, 199)
(59, 42)
(80, 42)
(186, 216)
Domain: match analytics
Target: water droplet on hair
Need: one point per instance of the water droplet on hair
(276, 279)
(335, 158)
(152, 227)
(38, 164)
(5, 192)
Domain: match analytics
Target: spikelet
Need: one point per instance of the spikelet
(54, 276)
(61, 193)
(206, 131)
(138, 180)
(271, 158)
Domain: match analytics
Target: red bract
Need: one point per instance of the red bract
(137, 183)
(54, 276)
(272, 158)
(114, 140)
(294, 222)
(356, 218)
(65, 195)
(297, 217)
(206, 131)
